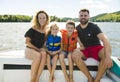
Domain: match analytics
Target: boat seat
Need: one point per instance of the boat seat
(14, 67)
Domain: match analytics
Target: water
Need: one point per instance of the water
(12, 35)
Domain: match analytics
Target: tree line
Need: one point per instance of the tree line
(24, 18)
(15, 18)
(106, 17)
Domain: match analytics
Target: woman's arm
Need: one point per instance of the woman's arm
(29, 44)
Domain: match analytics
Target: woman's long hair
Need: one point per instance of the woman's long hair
(35, 20)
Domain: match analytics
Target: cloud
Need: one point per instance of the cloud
(91, 4)
(107, 0)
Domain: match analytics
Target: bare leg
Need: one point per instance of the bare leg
(101, 68)
(70, 68)
(36, 57)
(77, 58)
(48, 63)
(63, 66)
(34, 68)
(42, 65)
(55, 58)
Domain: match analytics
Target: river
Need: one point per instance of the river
(12, 35)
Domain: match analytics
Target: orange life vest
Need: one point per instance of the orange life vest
(69, 43)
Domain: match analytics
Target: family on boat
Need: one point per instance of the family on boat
(45, 46)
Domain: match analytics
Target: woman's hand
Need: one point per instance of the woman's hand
(42, 49)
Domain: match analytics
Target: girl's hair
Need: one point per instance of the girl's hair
(49, 30)
(35, 20)
(71, 22)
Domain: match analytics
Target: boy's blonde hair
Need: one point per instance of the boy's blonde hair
(70, 22)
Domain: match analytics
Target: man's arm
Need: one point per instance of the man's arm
(107, 49)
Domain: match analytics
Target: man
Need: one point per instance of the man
(90, 35)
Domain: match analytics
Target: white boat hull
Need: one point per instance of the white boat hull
(14, 67)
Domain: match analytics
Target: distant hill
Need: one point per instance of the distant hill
(64, 19)
(107, 17)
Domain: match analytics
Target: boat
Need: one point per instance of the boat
(14, 67)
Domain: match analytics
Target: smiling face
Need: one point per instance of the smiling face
(84, 17)
(70, 28)
(54, 30)
(42, 19)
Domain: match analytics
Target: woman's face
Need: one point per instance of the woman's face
(42, 19)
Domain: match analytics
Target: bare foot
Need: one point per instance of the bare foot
(71, 80)
(50, 79)
(68, 80)
(91, 80)
(53, 78)
(37, 80)
(96, 80)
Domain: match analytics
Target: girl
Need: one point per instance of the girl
(35, 38)
(53, 45)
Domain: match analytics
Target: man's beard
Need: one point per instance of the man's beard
(83, 22)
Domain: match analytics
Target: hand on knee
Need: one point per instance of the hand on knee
(75, 57)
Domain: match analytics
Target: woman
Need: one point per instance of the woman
(35, 39)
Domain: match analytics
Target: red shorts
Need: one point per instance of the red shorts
(92, 51)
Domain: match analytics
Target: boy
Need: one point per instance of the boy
(69, 43)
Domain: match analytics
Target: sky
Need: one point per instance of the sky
(59, 8)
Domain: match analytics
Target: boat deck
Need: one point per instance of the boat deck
(14, 67)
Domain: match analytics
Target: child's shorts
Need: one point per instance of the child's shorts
(92, 51)
(64, 52)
